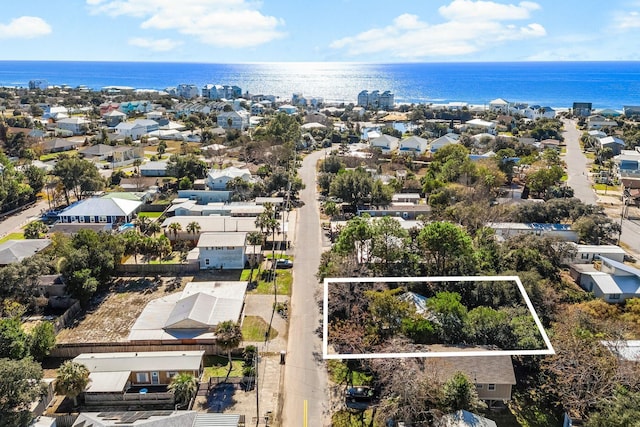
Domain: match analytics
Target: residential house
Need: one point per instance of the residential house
(140, 377)
(597, 121)
(499, 106)
(257, 109)
(628, 168)
(190, 316)
(108, 106)
(238, 120)
(100, 210)
(464, 418)
(550, 143)
(58, 145)
(615, 282)
(222, 250)
(211, 91)
(205, 196)
(582, 109)
(386, 143)
(13, 251)
(482, 125)
(631, 110)
(446, 139)
(615, 144)
(220, 224)
(137, 128)
(399, 210)
(608, 112)
(413, 198)
(76, 125)
(126, 154)
(505, 230)
(586, 254)
(414, 144)
(130, 107)
(288, 109)
(156, 168)
(52, 285)
(217, 179)
(97, 152)
(234, 209)
(493, 375)
(535, 112)
(170, 418)
(114, 117)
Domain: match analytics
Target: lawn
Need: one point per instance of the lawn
(605, 188)
(217, 366)
(284, 279)
(12, 236)
(150, 214)
(254, 328)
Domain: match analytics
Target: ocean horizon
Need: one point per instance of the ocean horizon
(606, 84)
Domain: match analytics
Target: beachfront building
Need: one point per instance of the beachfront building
(499, 106)
(375, 99)
(582, 109)
(211, 91)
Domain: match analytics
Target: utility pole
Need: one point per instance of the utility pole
(256, 364)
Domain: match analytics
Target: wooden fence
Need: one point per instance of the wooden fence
(71, 350)
(68, 316)
(145, 269)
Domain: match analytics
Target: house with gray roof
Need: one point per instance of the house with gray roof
(13, 251)
(615, 282)
(167, 418)
(190, 315)
(58, 145)
(386, 143)
(101, 210)
(222, 250)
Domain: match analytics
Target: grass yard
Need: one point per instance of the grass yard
(150, 214)
(254, 328)
(284, 279)
(605, 187)
(217, 366)
(174, 258)
(12, 236)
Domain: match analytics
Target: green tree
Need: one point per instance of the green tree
(82, 285)
(14, 343)
(388, 311)
(35, 230)
(447, 247)
(35, 177)
(19, 388)
(71, 380)
(451, 316)
(459, 392)
(42, 340)
(175, 227)
(228, 337)
(622, 409)
(183, 386)
(78, 176)
(194, 228)
(352, 186)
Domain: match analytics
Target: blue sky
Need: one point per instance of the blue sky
(379, 31)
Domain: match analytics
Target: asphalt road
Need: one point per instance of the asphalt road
(305, 388)
(577, 165)
(13, 222)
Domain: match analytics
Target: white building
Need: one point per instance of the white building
(187, 91)
(375, 99)
(77, 125)
(386, 143)
(414, 144)
(238, 120)
(499, 106)
(217, 179)
(222, 250)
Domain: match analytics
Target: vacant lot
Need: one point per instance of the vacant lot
(112, 314)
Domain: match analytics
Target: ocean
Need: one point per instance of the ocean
(555, 84)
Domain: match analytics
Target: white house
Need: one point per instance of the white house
(616, 144)
(449, 138)
(238, 120)
(187, 91)
(598, 122)
(386, 143)
(499, 106)
(414, 144)
(505, 230)
(132, 130)
(222, 250)
(585, 254)
(114, 117)
(217, 179)
(77, 125)
(98, 210)
(615, 282)
(288, 108)
(483, 125)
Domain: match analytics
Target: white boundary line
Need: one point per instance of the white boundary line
(516, 279)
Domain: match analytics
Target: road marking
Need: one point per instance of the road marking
(305, 414)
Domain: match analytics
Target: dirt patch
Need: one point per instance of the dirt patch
(112, 314)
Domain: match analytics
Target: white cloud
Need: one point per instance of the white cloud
(156, 45)
(224, 23)
(464, 10)
(469, 26)
(25, 27)
(626, 20)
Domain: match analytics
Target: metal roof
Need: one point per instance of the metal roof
(142, 361)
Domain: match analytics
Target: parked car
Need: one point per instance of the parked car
(284, 263)
(360, 394)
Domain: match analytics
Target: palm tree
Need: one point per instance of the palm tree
(183, 386)
(175, 227)
(35, 229)
(132, 244)
(254, 238)
(71, 380)
(153, 228)
(193, 227)
(143, 223)
(228, 337)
